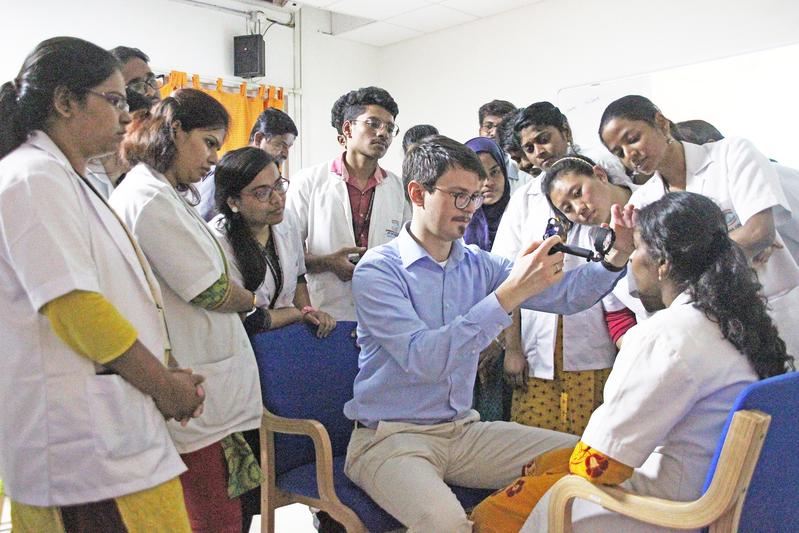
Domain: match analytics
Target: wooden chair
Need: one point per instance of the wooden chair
(752, 484)
(305, 383)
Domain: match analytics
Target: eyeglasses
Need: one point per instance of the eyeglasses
(462, 200)
(263, 194)
(116, 100)
(152, 82)
(377, 125)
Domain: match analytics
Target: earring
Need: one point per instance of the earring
(234, 209)
(660, 276)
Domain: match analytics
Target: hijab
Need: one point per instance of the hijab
(483, 227)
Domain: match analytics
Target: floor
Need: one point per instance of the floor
(290, 519)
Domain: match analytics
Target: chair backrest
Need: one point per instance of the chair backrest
(773, 496)
(306, 377)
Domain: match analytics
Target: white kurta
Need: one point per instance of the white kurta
(289, 252)
(666, 402)
(320, 203)
(68, 435)
(187, 259)
(586, 342)
(743, 183)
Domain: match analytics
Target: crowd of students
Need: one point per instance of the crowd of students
(136, 265)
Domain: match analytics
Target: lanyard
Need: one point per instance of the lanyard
(366, 220)
(155, 291)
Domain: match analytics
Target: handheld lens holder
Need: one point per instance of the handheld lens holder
(603, 242)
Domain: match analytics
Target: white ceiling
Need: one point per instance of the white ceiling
(397, 20)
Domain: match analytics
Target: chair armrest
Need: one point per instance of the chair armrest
(322, 447)
(730, 481)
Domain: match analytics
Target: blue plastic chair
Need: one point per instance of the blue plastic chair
(305, 383)
(752, 484)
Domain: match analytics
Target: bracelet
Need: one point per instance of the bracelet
(611, 267)
(308, 309)
(254, 298)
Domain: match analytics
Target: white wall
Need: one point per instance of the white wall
(176, 36)
(530, 53)
(331, 66)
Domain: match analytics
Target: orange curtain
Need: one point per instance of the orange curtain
(243, 109)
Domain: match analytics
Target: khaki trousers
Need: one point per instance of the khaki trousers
(405, 468)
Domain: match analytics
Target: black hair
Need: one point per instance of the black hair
(507, 139)
(417, 133)
(337, 113)
(150, 137)
(427, 160)
(273, 122)
(233, 173)
(688, 230)
(353, 103)
(126, 53)
(634, 107)
(496, 108)
(698, 131)
(137, 101)
(579, 164)
(540, 114)
(27, 101)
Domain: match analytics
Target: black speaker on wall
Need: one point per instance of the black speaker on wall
(249, 56)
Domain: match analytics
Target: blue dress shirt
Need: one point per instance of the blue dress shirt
(421, 326)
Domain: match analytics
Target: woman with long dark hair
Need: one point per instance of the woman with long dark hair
(264, 245)
(732, 172)
(172, 147)
(674, 380)
(84, 383)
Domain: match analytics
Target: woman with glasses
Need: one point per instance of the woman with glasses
(171, 148)
(266, 256)
(263, 243)
(84, 382)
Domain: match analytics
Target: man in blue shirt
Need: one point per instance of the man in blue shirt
(427, 305)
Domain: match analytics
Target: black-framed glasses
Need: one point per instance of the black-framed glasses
(462, 200)
(116, 100)
(263, 194)
(153, 82)
(376, 124)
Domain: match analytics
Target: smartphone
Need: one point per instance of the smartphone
(354, 258)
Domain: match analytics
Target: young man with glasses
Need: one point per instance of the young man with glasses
(349, 204)
(427, 305)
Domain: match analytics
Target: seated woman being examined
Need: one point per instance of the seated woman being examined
(674, 380)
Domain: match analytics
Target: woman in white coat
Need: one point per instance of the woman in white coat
(263, 245)
(741, 181)
(84, 386)
(710, 338)
(265, 254)
(568, 358)
(172, 147)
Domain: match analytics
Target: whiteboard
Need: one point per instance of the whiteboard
(755, 96)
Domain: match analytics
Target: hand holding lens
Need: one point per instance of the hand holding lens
(603, 242)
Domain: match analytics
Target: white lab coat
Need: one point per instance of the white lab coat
(70, 436)
(743, 182)
(289, 252)
(789, 229)
(666, 402)
(320, 204)
(586, 341)
(187, 259)
(516, 176)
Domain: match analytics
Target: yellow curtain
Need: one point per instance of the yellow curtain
(243, 109)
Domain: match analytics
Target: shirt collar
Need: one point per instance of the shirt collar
(697, 158)
(682, 299)
(411, 251)
(42, 141)
(338, 168)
